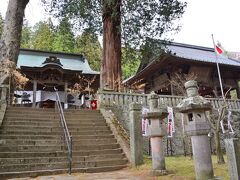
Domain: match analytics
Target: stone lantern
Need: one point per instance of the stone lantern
(194, 109)
(156, 131)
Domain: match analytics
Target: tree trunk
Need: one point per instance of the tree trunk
(111, 62)
(220, 159)
(11, 36)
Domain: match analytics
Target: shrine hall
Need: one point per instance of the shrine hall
(49, 72)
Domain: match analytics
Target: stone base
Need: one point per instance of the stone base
(216, 178)
(158, 172)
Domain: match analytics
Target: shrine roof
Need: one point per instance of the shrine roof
(199, 53)
(36, 58)
(185, 53)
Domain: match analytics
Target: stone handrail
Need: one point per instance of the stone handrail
(108, 99)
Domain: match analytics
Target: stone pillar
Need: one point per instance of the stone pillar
(136, 139)
(194, 109)
(100, 99)
(157, 131)
(34, 93)
(65, 95)
(233, 155)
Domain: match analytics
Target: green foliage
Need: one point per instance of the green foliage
(64, 37)
(139, 19)
(88, 45)
(130, 62)
(26, 36)
(180, 167)
(43, 36)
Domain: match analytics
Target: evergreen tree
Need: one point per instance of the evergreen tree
(130, 62)
(131, 21)
(43, 36)
(88, 45)
(26, 36)
(64, 37)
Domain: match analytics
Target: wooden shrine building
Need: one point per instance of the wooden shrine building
(187, 59)
(49, 70)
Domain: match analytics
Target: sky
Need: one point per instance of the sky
(201, 19)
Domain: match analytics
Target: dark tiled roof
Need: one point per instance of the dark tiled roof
(187, 52)
(199, 53)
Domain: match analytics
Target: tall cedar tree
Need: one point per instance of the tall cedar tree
(64, 37)
(121, 21)
(87, 44)
(11, 36)
(43, 36)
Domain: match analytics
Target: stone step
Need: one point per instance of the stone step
(55, 142)
(60, 132)
(54, 128)
(53, 120)
(27, 109)
(30, 160)
(98, 163)
(32, 142)
(31, 119)
(33, 166)
(33, 137)
(59, 153)
(36, 114)
(83, 116)
(54, 137)
(57, 165)
(36, 173)
(37, 160)
(44, 123)
(29, 132)
(25, 148)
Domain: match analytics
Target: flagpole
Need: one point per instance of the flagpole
(219, 75)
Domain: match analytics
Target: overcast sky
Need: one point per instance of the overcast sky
(201, 19)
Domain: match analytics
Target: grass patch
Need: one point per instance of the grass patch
(182, 168)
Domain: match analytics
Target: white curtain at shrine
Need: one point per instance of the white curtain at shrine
(40, 96)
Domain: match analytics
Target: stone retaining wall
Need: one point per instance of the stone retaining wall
(180, 144)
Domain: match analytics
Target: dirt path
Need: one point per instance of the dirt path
(124, 174)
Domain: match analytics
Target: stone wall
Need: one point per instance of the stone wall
(179, 144)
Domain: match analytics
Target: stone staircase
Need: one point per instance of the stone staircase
(31, 143)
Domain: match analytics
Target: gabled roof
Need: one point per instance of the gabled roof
(199, 53)
(183, 52)
(35, 58)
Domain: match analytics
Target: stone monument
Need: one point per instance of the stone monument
(194, 109)
(232, 146)
(156, 132)
(136, 139)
